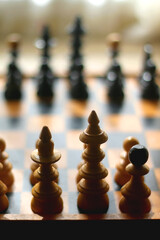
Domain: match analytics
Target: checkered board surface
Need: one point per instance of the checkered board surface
(21, 123)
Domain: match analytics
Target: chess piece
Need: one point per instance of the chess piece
(14, 41)
(114, 76)
(45, 42)
(92, 197)
(46, 193)
(4, 203)
(76, 58)
(135, 192)
(34, 166)
(6, 174)
(77, 31)
(45, 87)
(121, 176)
(147, 61)
(45, 77)
(115, 88)
(14, 76)
(13, 87)
(78, 88)
(148, 85)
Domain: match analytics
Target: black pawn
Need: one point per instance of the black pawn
(149, 87)
(115, 83)
(13, 87)
(147, 61)
(45, 87)
(78, 88)
(138, 155)
(135, 193)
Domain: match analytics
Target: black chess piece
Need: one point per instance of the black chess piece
(114, 76)
(77, 31)
(13, 87)
(147, 61)
(44, 43)
(45, 86)
(148, 85)
(115, 83)
(78, 88)
(14, 40)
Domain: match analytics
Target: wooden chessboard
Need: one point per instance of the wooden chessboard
(21, 123)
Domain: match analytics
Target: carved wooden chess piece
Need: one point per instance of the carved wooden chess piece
(92, 187)
(135, 192)
(46, 193)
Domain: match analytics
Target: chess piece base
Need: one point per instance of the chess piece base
(135, 207)
(47, 206)
(93, 203)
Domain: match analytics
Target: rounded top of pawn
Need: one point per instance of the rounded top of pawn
(138, 155)
(129, 142)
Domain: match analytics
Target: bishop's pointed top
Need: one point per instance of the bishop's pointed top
(45, 134)
(93, 133)
(93, 127)
(93, 118)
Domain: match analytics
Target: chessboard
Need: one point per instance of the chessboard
(21, 123)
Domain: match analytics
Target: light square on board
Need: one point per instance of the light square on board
(113, 157)
(73, 141)
(153, 139)
(54, 122)
(18, 180)
(157, 175)
(122, 123)
(25, 203)
(147, 108)
(72, 186)
(14, 139)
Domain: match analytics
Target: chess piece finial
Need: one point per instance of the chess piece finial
(135, 192)
(122, 176)
(46, 193)
(113, 39)
(14, 40)
(92, 187)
